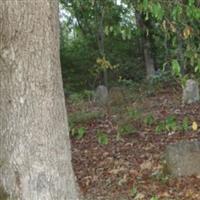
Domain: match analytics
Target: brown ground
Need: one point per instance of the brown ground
(134, 162)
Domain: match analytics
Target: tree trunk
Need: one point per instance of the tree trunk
(101, 41)
(146, 45)
(35, 158)
(148, 59)
(180, 52)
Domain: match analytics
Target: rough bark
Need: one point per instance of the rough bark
(35, 159)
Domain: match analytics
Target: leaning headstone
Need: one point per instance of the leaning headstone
(101, 95)
(183, 158)
(191, 92)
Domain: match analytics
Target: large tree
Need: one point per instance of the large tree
(35, 158)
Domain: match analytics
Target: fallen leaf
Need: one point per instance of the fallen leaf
(117, 170)
(194, 126)
(146, 165)
(139, 196)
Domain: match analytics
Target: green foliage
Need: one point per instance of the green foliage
(183, 80)
(157, 11)
(134, 114)
(154, 198)
(77, 61)
(133, 191)
(176, 69)
(185, 124)
(78, 133)
(172, 29)
(160, 127)
(102, 138)
(149, 120)
(176, 24)
(80, 48)
(125, 129)
(170, 123)
(83, 117)
(78, 97)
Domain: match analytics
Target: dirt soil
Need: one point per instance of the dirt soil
(132, 167)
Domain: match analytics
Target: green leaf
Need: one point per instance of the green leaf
(102, 138)
(154, 198)
(145, 4)
(157, 11)
(191, 2)
(185, 124)
(149, 120)
(106, 31)
(134, 191)
(111, 28)
(160, 127)
(176, 69)
(176, 12)
(80, 133)
(170, 123)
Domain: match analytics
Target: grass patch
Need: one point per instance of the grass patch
(84, 117)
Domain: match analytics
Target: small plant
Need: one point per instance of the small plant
(83, 117)
(160, 127)
(102, 138)
(75, 98)
(134, 114)
(133, 191)
(170, 123)
(185, 124)
(154, 198)
(149, 120)
(126, 129)
(78, 132)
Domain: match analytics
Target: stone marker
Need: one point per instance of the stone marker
(190, 92)
(183, 158)
(101, 95)
(116, 96)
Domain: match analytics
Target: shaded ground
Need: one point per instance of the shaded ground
(131, 166)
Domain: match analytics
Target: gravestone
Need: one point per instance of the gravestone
(116, 96)
(101, 95)
(183, 158)
(191, 92)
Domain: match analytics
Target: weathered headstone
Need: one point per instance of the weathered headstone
(116, 96)
(101, 95)
(183, 158)
(190, 92)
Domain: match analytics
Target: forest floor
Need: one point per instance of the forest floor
(119, 155)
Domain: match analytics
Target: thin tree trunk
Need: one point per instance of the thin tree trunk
(180, 52)
(149, 61)
(101, 41)
(35, 158)
(146, 46)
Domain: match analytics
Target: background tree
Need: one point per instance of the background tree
(117, 46)
(140, 37)
(35, 158)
